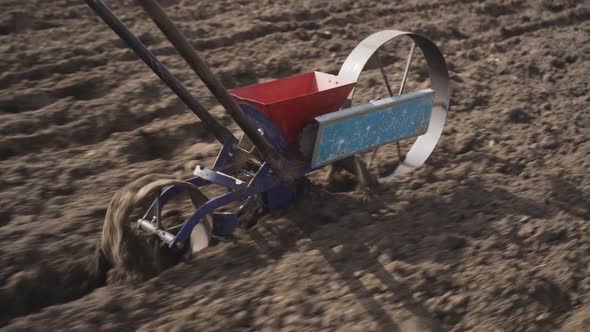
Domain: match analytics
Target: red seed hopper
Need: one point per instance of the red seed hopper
(293, 102)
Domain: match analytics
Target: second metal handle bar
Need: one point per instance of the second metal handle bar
(275, 160)
(220, 132)
(269, 153)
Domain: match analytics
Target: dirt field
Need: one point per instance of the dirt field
(492, 234)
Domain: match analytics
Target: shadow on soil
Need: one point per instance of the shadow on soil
(429, 229)
(410, 232)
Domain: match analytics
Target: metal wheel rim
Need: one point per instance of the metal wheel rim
(439, 82)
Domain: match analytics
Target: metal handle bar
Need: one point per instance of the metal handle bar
(275, 160)
(221, 133)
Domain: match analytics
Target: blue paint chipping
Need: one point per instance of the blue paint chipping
(364, 127)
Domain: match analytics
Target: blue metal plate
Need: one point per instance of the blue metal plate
(363, 127)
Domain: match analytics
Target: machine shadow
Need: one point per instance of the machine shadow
(570, 198)
(457, 217)
(408, 232)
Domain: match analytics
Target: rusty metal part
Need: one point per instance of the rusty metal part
(307, 140)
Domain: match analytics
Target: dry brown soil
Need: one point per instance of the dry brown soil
(492, 234)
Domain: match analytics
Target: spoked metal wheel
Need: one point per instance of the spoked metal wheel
(127, 248)
(390, 63)
(177, 210)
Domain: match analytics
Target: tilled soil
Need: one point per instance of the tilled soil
(491, 234)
